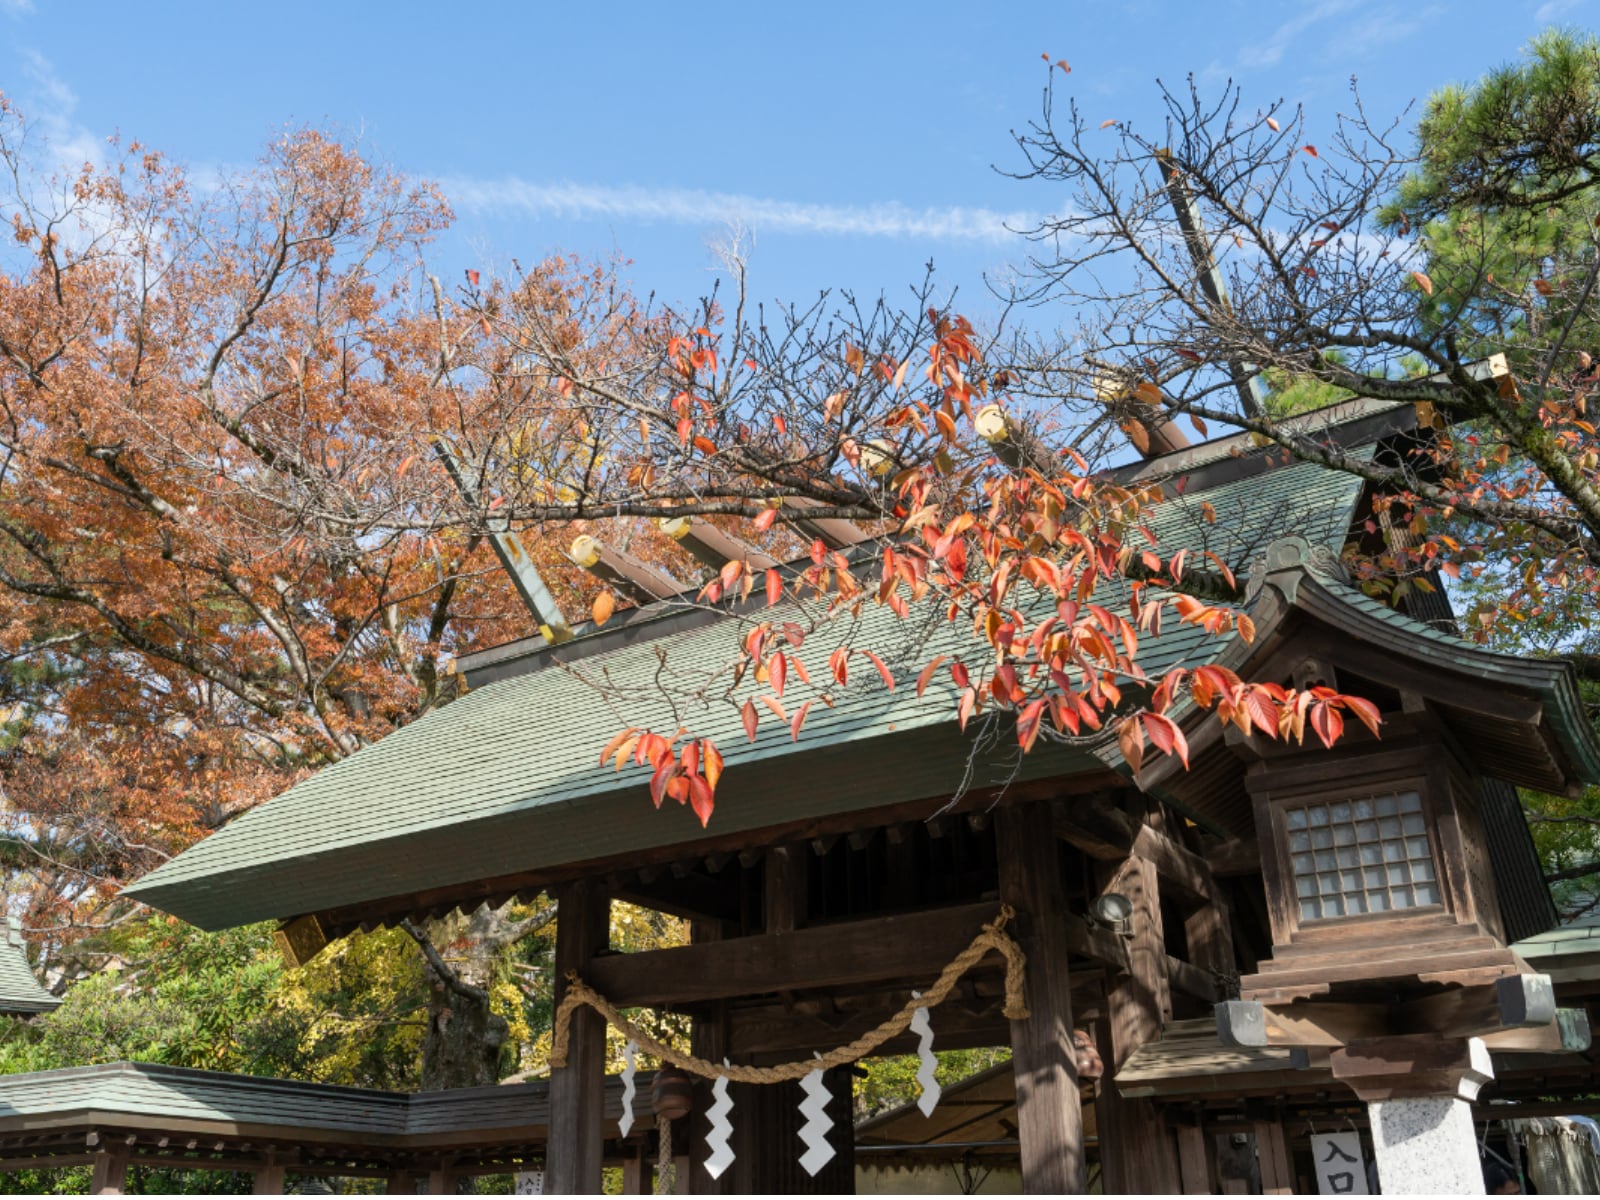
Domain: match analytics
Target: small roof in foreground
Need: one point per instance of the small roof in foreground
(1567, 953)
(21, 994)
(154, 1097)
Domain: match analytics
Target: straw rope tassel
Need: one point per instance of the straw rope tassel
(992, 938)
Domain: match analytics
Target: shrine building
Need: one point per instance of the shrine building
(1220, 967)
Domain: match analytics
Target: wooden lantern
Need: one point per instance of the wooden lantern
(1375, 862)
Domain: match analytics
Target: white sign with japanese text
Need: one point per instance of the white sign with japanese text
(1341, 1167)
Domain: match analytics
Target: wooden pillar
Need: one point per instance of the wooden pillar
(636, 1172)
(110, 1175)
(1049, 1118)
(1194, 1160)
(770, 1147)
(784, 888)
(577, 1091)
(401, 1183)
(708, 1039)
(1272, 1151)
(1137, 1153)
(268, 1179)
(443, 1181)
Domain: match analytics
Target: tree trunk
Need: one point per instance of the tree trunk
(464, 1039)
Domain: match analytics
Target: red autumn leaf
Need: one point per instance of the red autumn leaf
(839, 664)
(777, 672)
(1130, 740)
(1273, 125)
(713, 762)
(1166, 736)
(751, 719)
(922, 680)
(472, 277)
(658, 781)
(888, 679)
(1261, 712)
(774, 585)
(1312, 150)
(1366, 712)
(777, 709)
(1326, 722)
(701, 799)
(1423, 282)
(764, 520)
(612, 745)
(799, 721)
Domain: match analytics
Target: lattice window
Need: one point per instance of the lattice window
(1353, 857)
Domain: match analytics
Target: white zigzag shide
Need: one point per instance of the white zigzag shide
(814, 1133)
(929, 1100)
(720, 1156)
(626, 1123)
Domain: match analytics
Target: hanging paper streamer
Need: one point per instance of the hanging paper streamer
(931, 1091)
(720, 1155)
(814, 1133)
(626, 1123)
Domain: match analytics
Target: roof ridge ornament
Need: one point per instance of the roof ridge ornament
(1287, 558)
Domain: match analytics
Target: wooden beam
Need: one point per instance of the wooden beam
(1307, 1023)
(1510, 1002)
(1236, 856)
(914, 946)
(1567, 1033)
(1049, 1114)
(1184, 870)
(1192, 980)
(1094, 825)
(498, 889)
(577, 1090)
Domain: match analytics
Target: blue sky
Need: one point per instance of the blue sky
(858, 141)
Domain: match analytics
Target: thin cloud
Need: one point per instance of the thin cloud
(1552, 10)
(16, 8)
(1271, 51)
(686, 206)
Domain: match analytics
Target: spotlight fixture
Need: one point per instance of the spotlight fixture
(1114, 912)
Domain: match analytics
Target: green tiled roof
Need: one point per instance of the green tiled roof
(151, 1096)
(505, 780)
(20, 991)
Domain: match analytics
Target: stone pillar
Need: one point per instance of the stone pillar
(1426, 1146)
(1419, 1091)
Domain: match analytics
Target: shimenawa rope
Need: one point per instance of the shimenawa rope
(991, 938)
